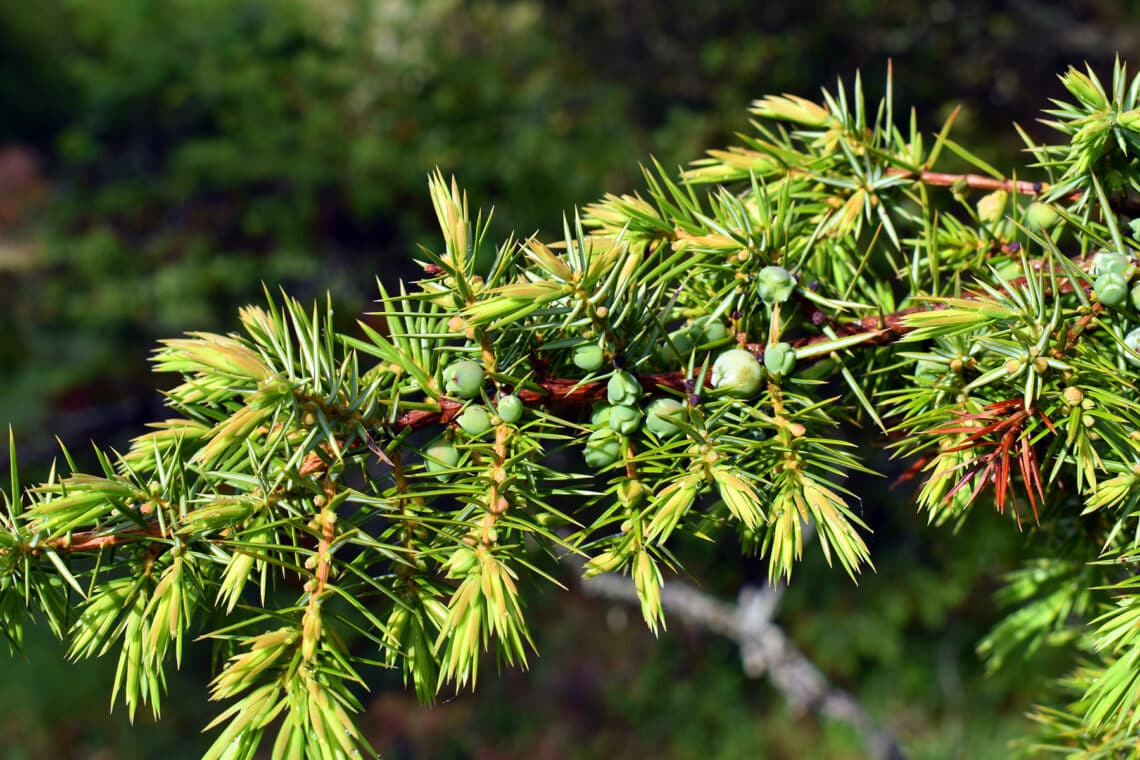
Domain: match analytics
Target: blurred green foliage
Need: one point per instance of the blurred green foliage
(201, 147)
(56, 709)
(197, 148)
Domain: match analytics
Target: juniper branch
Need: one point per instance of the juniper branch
(667, 351)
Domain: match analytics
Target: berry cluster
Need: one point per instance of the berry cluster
(1113, 271)
(465, 379)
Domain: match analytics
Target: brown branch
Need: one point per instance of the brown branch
(572, 392)
(1127, 204)
(981, 182)
(91, 540)
(977, 182)
(882, 328)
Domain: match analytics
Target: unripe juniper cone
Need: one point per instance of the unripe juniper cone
(602, 449)
(440, 457)
(510, 409)
(623, 388)
(775, 284)
(737, 372)
(1041, 216)
(1110, 262)
(779, 360)
(1132, 343)
(474, 420)
(660, 415)
(713, 332)
(1111, 289)
(589, 357)
(624, 419)
(463, 378)
(677, 347)
(601, 415)
(991, 208)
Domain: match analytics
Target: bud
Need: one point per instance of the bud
(436, 610)
(991, 208)
(311, 631)
(1130, 120)
(929, 370)
(960, 189)
(221, 513)
(461, 562)
(605, 562)
(631, 492)
(1083, 89)
(647, 581)
(270, 391)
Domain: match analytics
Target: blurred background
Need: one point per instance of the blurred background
(159, 161)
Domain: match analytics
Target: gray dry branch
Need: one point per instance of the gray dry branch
(764, 649)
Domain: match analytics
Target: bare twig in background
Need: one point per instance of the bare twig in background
(764, 649)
